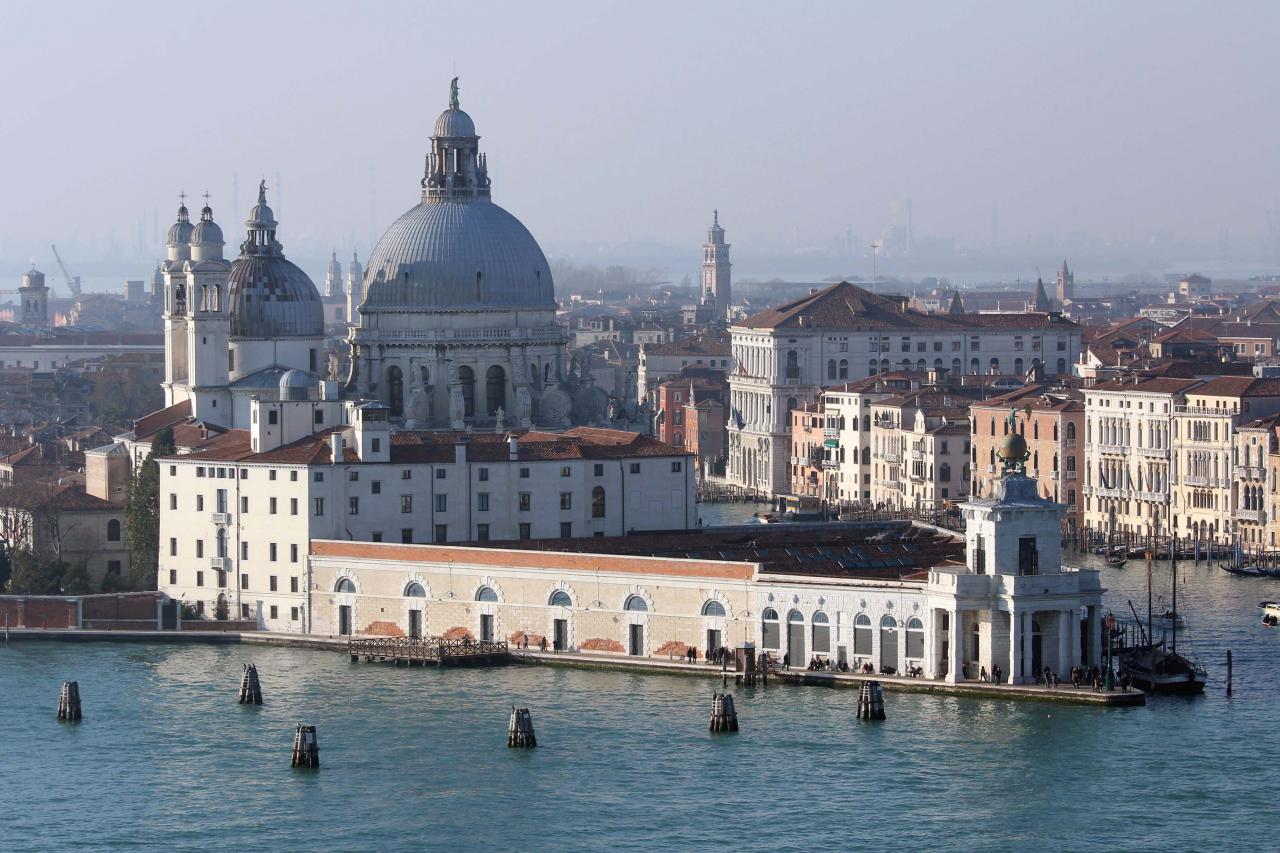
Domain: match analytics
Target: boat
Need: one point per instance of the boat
(1270, 613)
(1117, 558)
(1168, 619)
(1245, 571)
(1156, 669)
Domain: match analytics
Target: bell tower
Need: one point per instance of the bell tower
(208, 322)
(716, 287)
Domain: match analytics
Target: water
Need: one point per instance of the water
(165, 759)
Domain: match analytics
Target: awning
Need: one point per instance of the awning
(831, 442)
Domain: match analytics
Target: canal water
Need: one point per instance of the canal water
(416, 759)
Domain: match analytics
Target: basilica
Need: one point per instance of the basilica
(452, 322)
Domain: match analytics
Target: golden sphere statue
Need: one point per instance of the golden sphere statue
(1013, 448)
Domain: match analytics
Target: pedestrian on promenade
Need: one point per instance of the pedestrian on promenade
(542, 644)
(982, 674)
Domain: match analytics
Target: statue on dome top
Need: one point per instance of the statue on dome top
(453, 94)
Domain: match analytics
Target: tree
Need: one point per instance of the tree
(142, 514)
(35, 576)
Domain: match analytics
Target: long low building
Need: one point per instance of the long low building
(901, 599)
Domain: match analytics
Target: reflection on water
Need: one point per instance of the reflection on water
(165, 758)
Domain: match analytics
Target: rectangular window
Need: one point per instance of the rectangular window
(173, 577)
(293, 476)
(173, 547)
(565, 471)
(525, 499)
(317, 506)
(598, 469)
(566, 529)
(244, 503)
(676, 467)
(441, 473)
(173, 501)
(406, 474)
(353, 475)
(273, 417)
(199, 548)
(173, 470)
(979, 555)
(442, 503)
(376, 487)
(244, 550)
(376, 536)
(293, 554)
(484, 475)
(319, 416)
(375, 445)
(293, 506)
(199, 503)
(353, 506)
(244, 581)
(406, 503)
(635, 467)
(1028, 556)
(274, 613)
(199, 470)
(271, 475)
(566, 500)
(442, 534)
(244, 611)
(406, 535)
(482, 532)
(293, 614)
(317, 476)
(271, 506)
(271, 552)
(482, 502)
(200, 580)
(526, 530)
(524, 473)
(293, 584)
(272, 583)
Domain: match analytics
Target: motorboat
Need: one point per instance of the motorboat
(1270, 613)
(1168, 619)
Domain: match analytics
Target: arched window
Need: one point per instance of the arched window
(821, 632)
(866, 455)
(1035, 430)
(915, 638)
(873, 367)
(1071, 431)
(395, 390)
(560, 598)
(906, 364)
(495, 382)
(222, 542)
(770, 634)
(884, 365)
(844, 368)
(344, 585)
(795, 616)
(922, 365)
(713, 608)
(831, 369)
(1062, 365)
(995, 365)
(467, 382)
(944, 472)
(937, 364)
(597, 502)
(1017, 366)
(113, 530)
(955, 366)
(974, 366)
(636, 603)
(486, 593)
(415, 590)
(862, 635)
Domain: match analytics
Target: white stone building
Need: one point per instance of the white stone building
(785, 356)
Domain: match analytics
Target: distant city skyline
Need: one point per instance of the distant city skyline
(1011, 131)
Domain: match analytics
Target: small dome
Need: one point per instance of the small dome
(272, 298)
(454, 123)
(335, 268)
(33, 278)
(296, 385)
(207, 232)
(180, 231)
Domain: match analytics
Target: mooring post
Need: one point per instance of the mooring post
(724, 717)
(520, 729)
(306, 747)
(871, 701)
(1228, 672)
(69, 701)
(250, 688)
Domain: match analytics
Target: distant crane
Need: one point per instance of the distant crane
(73, 282)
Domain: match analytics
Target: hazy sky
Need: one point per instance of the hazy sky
(627, 122)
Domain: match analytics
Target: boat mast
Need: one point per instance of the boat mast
(1151, 637)
(1173, 566)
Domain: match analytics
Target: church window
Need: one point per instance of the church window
(467, 382)
(395, 390)
(496, 389)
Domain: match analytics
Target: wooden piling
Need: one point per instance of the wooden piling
(871, 701)
(1228, 672)
(306, 747)
(250, 689)
(69, 701)
(724, 717)
(520, 729)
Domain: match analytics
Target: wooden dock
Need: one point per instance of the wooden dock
(429, 651)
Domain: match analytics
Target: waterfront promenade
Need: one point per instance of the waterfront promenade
(1023, 692)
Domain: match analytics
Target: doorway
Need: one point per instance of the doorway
(636, 639)
(415, 624)
(795, 639)
(486, 628)
(560, 635)
(1037, 650)
(888, 646)
(344, 620)
(715, 639)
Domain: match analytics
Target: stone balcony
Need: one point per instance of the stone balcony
(1254, 516)
(1153, 452)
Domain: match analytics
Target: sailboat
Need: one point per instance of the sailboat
(1153, 667)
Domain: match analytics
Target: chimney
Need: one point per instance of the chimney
(513, 447)
(335, 447)
(460, 451)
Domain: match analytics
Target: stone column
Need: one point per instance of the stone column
(1074, 658)
(1015, 646)
(934, 641)
(1064, 644)
(1095, 656)
(955, 674)
(1028, 659)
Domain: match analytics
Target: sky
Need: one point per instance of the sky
(610, 124)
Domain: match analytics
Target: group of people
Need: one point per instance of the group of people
(996, 676)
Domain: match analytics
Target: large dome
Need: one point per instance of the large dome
(458, 255)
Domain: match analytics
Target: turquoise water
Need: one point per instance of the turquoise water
(414, 759)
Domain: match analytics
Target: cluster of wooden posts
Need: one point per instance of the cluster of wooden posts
(871, 701)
